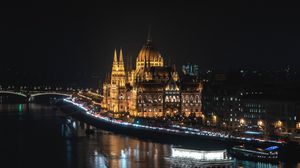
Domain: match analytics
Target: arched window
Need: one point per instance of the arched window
(159, 98)
(187, 98)
(146, 98)
(121, 96)
(140, 99)
(155, 98)
(177, 99)
(182, 98)
(167, 99)
(197, 98)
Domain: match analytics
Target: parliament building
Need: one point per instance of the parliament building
(151, 89)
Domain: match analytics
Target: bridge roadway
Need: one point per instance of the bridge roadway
(29, 95)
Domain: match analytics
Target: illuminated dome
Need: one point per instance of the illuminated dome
(148, 54)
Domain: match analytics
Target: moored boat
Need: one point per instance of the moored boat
(182, 157)
(269, 154)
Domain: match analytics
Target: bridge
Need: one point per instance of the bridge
(29, 95)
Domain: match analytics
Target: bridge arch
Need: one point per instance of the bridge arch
(14, 93)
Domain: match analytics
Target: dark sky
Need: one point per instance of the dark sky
(59, 39)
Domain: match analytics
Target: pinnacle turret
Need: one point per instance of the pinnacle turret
(115, 56)
(115, 62)
(121, 62)
(121, 56)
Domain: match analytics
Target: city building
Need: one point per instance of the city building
(244, 103)
(151, 89)
(274, 115)
(222, 105)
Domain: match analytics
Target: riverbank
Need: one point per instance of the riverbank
(139, 132)
(186, 134)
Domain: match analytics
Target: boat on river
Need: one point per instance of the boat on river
(269, 154)
(182, 157)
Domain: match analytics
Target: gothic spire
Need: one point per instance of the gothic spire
(115, 56)
(121, 56)
(115, 62)
(121, 62)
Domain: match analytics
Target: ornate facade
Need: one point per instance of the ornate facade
(151, 88)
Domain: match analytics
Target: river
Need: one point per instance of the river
(40, 135)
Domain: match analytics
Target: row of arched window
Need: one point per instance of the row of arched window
(150, 99)
(191, 99)
(169, 98)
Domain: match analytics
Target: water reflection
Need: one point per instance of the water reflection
(100, 160)
(34, 135)
(127, 152)
(106, 149)
(110, 150)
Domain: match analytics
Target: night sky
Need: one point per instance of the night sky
(68, 40)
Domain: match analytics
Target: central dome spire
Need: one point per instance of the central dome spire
(149, 34)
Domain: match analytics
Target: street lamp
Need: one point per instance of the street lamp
(260, 123)
(278, 124)
(214, 119)
(242, 121)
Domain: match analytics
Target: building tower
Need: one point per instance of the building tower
(117, 96)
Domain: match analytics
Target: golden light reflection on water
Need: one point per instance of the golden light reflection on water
(120, 151)
(106, 149)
